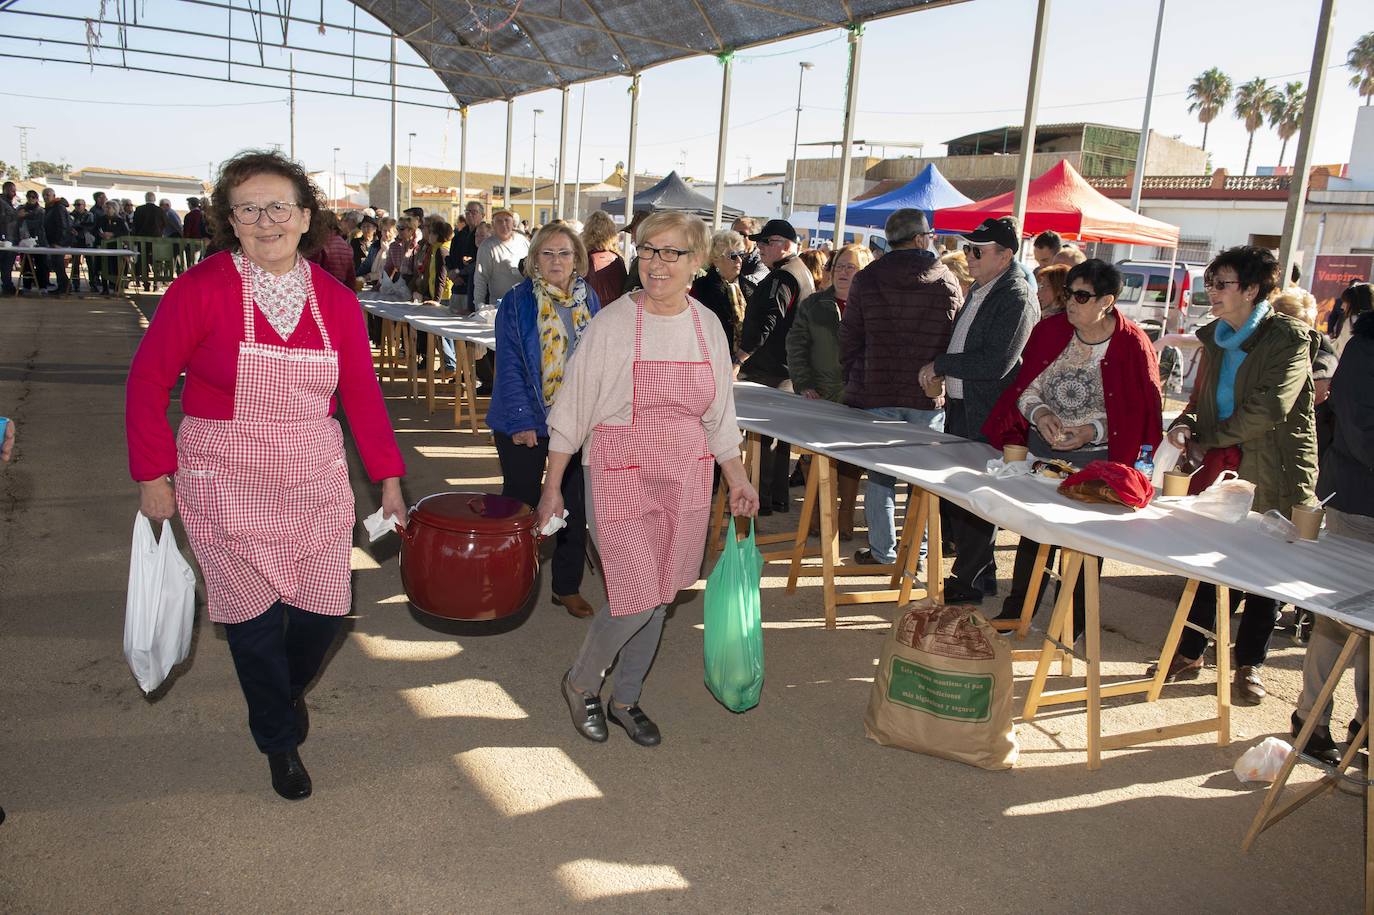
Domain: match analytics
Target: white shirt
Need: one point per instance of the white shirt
(954, 387)
(498, 268)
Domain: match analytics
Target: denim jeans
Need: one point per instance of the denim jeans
(881, 495)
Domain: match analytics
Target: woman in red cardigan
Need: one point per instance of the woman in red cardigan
(270, 345)
(1088, 390)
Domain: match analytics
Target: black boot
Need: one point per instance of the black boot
(289, 778)
(1320, 746)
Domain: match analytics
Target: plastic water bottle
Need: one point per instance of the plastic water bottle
(1146, 462)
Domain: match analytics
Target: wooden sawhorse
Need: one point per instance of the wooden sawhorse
(1271, 812)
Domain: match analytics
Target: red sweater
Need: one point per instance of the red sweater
(1130, 385)
(197, 330)
(336, 257)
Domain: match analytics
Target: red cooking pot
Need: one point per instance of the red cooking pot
(469, 555)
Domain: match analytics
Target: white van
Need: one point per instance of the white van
(1145, 286)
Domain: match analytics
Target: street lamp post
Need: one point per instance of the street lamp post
(334, 179)
(796, 137)
(410, 171)
(534, 166)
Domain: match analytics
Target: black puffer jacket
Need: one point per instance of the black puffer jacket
(1348, 465)
(899, 318)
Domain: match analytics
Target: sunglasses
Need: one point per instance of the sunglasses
(974, 251)
(1220, 285)
(736, 255)
(1082, 297)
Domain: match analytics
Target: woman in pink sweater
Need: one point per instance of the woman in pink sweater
(270, 345)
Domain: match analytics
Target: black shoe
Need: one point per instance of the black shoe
(798, 477)
(302, 712)
(1011, 609)
(949, 548)
(782, 506)
(956, 592)
(765, 510)
(1320, 746)
(637, 724)
(587, 715)
(866, 558)
(1351, 732)
(289, 778)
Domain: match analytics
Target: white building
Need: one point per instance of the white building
(759, 196)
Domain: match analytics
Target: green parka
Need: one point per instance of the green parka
(1273, 421)
(813, 346)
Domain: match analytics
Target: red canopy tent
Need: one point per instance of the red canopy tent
(1061, 200)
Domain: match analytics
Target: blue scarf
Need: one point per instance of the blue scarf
(1232, 356)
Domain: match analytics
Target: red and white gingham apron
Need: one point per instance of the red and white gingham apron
(651, 481)
(265, 496)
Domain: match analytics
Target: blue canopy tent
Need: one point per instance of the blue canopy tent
(929, 191)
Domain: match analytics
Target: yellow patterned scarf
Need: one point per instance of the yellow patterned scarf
(554, 344)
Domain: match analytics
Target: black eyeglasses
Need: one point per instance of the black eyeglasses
(1219, 285)
(735, 255)
(1082, 296)
(667, 255)
(974, 251)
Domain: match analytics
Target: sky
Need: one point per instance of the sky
(925, 77)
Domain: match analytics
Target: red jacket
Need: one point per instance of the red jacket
(1130, 383)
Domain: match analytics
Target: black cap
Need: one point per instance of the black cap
(779, 227)
(1001, 230)
(418, 212)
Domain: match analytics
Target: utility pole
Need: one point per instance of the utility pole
(293, 106)
(796, 138)
(534, 166)
(410, 171)
(24, 149)
(577, 182)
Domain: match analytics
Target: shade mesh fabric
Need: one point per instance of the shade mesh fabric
(481, 52)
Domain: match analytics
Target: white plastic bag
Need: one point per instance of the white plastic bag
(1165, 459)
(393, 290)
(1262, 762)
(161, 605)
(1228, 499)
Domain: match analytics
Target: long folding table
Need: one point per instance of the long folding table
(1329, 577)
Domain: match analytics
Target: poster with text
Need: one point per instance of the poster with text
(1333, 273)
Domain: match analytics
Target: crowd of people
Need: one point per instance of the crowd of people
(612, 401)
(49, 221)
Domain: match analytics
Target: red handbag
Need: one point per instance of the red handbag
(1215, 462)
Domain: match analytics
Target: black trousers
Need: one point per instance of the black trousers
(972, 536)
(1021, 581)
(522, 470)
(1257, 623)
(775, 470)
(276, 655)
(7, 269)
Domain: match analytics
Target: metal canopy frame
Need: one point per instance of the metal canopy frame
(480, 50)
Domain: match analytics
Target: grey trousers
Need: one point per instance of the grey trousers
(633, 638)
(1328, 637)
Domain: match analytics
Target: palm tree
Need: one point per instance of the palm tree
(1361, 61)
(1208, 95)
(1254, 101)
(1285, 115)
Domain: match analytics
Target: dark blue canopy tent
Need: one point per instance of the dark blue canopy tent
(929, 191)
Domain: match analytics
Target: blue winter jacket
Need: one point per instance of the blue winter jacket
(517, 397)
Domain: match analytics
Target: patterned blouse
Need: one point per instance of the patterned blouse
(281, 299)
(1071, 387)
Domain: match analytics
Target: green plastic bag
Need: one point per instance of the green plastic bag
(734, 626)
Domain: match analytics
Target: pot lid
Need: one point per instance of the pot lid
(473, 512)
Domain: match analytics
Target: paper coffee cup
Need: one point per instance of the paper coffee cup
(1176, 483)
(1308, 520)
(1013, 453)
